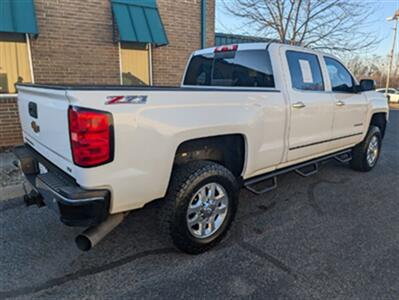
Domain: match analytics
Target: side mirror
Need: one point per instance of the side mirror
(367, 85)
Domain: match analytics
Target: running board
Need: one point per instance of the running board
(251, 187)
(304, 169)
(344, 157)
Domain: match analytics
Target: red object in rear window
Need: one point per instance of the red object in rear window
(227, 48)
(91, 136)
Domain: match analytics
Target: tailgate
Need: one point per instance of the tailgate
(44, 119)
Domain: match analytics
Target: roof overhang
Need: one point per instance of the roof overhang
(139, 21)
(18, 16)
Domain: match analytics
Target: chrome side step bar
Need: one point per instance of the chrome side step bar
(304, 169)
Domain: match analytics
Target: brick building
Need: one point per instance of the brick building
(132, 42)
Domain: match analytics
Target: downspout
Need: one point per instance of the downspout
(32, 77)
(203, 24)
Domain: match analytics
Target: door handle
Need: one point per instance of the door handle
(340, 103)
(298, 104)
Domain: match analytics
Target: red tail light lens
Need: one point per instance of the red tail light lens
(91, 135)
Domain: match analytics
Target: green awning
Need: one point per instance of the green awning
(139, 21)
(18, 16)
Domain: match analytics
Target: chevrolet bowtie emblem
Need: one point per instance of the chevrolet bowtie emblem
(35, 127)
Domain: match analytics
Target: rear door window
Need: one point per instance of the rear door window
(251, 68)
(305, 71)
(246, 68)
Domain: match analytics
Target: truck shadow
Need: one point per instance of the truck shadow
(139, 236)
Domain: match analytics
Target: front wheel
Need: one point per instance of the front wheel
(200, 205)
(366, 154)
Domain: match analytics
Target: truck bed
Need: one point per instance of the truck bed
(95, 87)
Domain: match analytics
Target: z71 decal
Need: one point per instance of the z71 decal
(126, 100)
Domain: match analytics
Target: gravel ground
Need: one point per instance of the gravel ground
(331, 235)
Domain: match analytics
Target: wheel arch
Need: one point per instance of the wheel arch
(229, 150)
(379, 119)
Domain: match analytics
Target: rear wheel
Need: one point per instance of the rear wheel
(366, 154)
(200, 205)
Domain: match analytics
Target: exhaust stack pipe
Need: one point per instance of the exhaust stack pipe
(91, 236)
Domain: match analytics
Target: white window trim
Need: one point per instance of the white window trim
(2, 96)
(30, 57)
(27, 40)
(149, 63)
(120, 64)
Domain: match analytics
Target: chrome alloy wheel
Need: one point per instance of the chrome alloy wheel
(372, 151)
(207, 210)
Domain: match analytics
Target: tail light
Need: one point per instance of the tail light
(91, 135)
(227, 48)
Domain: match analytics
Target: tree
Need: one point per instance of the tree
(373, 67)
(329, 25)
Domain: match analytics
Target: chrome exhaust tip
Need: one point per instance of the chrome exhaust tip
(93, 235)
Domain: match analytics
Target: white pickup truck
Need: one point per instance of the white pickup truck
(243, 115)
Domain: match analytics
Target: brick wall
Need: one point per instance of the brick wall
(75, 43)
(182, 21)
(75, 46)
(10, 129)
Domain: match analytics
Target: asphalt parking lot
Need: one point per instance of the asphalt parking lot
(331, 235)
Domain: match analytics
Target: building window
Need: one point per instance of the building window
(135, 64)
(14, 61)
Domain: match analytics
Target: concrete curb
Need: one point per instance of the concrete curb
(11, 192)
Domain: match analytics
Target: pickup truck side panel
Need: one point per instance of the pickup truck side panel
(148, 135)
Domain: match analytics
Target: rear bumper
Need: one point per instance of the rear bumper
(74, 205)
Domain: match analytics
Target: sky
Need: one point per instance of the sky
(385, 8)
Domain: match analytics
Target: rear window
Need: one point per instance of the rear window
(246, 68)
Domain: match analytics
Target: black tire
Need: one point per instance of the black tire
(186, 181)
(359, 160)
